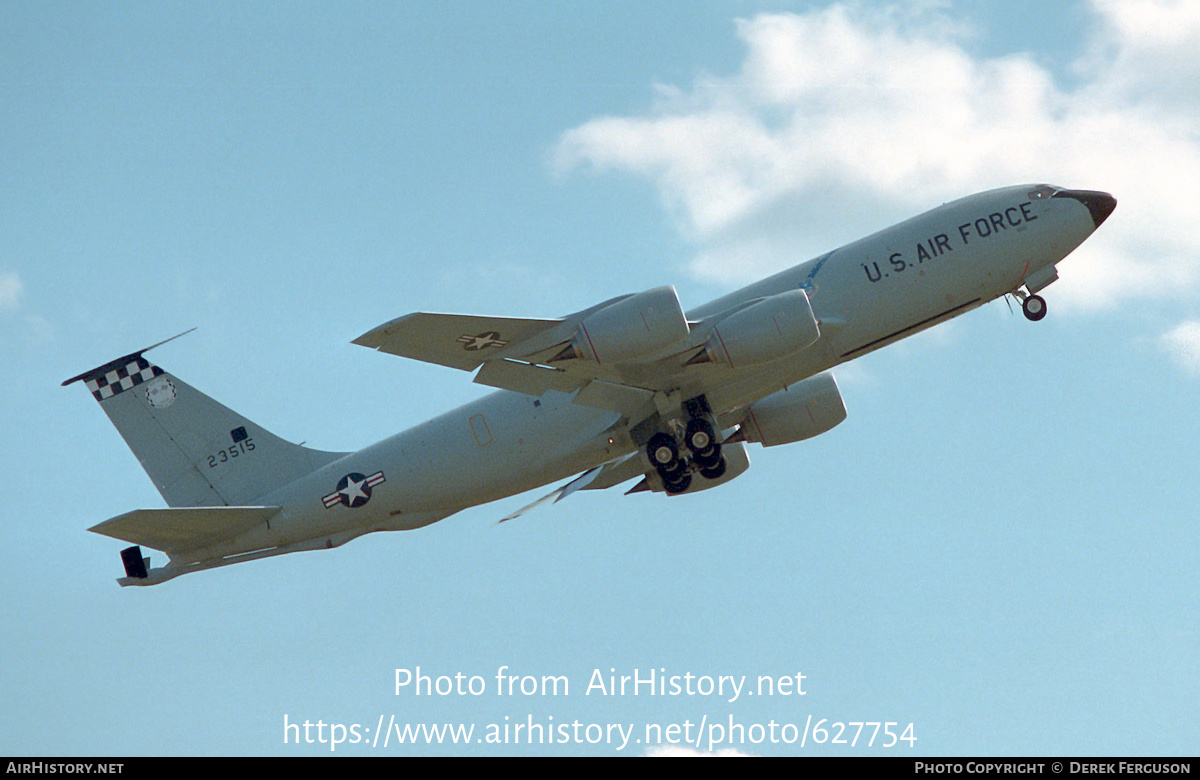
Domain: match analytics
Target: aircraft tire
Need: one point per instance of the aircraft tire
(1034, 308)
(709, 458)
(676, 486)
(715, 472)
(699, 437)
(663, 451)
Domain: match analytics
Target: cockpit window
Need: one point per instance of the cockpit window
(1041, 192)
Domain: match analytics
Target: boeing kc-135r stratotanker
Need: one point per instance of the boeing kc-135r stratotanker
(631, 388)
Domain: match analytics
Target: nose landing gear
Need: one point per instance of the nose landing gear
(1034, 307)
(1032, 304)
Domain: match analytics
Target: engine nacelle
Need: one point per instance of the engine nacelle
(632, 327)
(796, 413)
(767, 330)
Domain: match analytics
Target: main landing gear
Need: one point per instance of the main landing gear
(704, 454)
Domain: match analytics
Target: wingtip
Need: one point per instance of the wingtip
(374, 338)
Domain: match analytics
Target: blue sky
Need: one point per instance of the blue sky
(997, 546)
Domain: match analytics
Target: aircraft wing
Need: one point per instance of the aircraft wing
(461, 341)
(616, 355)
(577, 352)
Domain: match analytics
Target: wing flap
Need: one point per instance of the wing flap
(622, 399)
(180, 529)
(525, 378)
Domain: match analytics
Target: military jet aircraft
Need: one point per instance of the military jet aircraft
(630, 389)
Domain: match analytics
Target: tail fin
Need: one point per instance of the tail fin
(196, 451)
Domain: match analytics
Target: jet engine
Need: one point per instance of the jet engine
(632, 327)
(770, 329)
(795, 413)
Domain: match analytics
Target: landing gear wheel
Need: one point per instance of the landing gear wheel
(1034, 307)
(699, 436)
(701, 439)
(673, 470)
(663, 450)
(714, 472)
(709, 458)
(675, 486)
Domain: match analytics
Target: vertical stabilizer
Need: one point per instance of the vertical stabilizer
(195, 450)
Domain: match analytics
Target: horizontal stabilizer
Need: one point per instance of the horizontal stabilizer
(181, 529)
(461, 341)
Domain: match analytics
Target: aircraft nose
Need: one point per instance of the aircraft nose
(1099, 204)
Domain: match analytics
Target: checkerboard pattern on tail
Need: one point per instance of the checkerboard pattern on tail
(121, 378)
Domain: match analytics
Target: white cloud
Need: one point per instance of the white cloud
(844, 120)
(1146, 51)
(1183, 344)
(10, 291)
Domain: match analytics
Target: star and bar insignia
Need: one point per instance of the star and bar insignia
(489, 338)
(353, 490)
